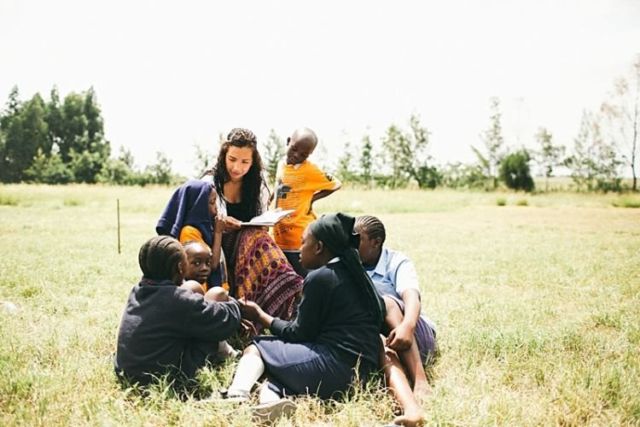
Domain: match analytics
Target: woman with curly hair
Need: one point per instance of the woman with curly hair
(257, 268)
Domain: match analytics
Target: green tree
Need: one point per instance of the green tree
(25, 131)
(393, 156)
(493, 142)
(82, 128)
(622, 112)
(594, 163)
(86, 166)
(49, 169)
(74, 127)
(460, 175)
(407, 155)
(55, 120)
(204, 160)
(11, 132)
(366, 160)
(95, 123)
(36, 129)
(160, 172)
(416, 156)
(345, 169)
(549, 156)
(515, 172)
(273, 152)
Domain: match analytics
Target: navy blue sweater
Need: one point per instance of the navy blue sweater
(334, 312)
(167, 329)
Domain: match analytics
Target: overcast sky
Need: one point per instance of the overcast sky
(171, 74)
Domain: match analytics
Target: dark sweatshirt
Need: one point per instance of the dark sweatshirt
(167, 329)
(334, 312)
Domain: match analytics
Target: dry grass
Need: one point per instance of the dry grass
(536, 307)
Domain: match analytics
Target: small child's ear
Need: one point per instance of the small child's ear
(319, 247)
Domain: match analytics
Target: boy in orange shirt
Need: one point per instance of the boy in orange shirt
(299, 183)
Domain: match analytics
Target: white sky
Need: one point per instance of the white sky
(169, 75)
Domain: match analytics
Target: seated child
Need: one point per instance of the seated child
(192, 215)
(166, 329)
(410, 336)
(335, 336)
(299, 183)
(195, 277)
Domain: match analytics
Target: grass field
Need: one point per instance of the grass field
(537, 304)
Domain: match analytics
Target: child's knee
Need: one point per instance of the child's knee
(391, 306)
(251, 349)
(217, 294)
(193, 286)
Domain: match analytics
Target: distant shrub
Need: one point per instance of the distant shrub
(501, 201)
(72, 202)
(8, 200)
(626, 202)
(522, 202)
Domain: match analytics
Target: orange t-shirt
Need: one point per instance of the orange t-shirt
(295, 187)
(189, 233)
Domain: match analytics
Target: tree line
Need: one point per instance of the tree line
(62, 141)
(59, 142)
(603, 152)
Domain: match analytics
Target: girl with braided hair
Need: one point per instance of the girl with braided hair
(334, 338)
(410, 337)
(257, 268)
(166, 329)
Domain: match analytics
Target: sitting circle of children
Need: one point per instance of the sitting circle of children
(338, 305)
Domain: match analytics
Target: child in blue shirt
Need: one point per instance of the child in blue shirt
(410, 336)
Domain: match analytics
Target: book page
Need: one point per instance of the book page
(268, 218)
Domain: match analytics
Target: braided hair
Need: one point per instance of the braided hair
(253, 181)
(372, 227)
(159, 258)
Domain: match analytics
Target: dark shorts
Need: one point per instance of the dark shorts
(424, 335)
(307, 368)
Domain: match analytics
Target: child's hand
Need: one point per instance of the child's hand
(248, 328)
(219, 225)
(232, 224)
(401, 337)
(249, 310)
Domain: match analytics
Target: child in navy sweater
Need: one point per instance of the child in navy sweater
(166, 329)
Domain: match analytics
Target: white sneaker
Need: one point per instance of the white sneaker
(271, 411)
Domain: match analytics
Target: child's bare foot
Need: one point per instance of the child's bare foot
(410, 418)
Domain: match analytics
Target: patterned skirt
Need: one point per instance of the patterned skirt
(260, 272)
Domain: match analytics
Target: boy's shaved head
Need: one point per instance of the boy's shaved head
(300, 145)
(305, 134)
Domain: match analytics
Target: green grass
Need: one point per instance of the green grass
(627, 202)
(537, 308)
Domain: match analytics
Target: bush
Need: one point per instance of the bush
(515, 173)
(626, 202)
(459, 175)
(501, 201)
(49, 170)
(428, 177)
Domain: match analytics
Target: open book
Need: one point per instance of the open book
(269, 218)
